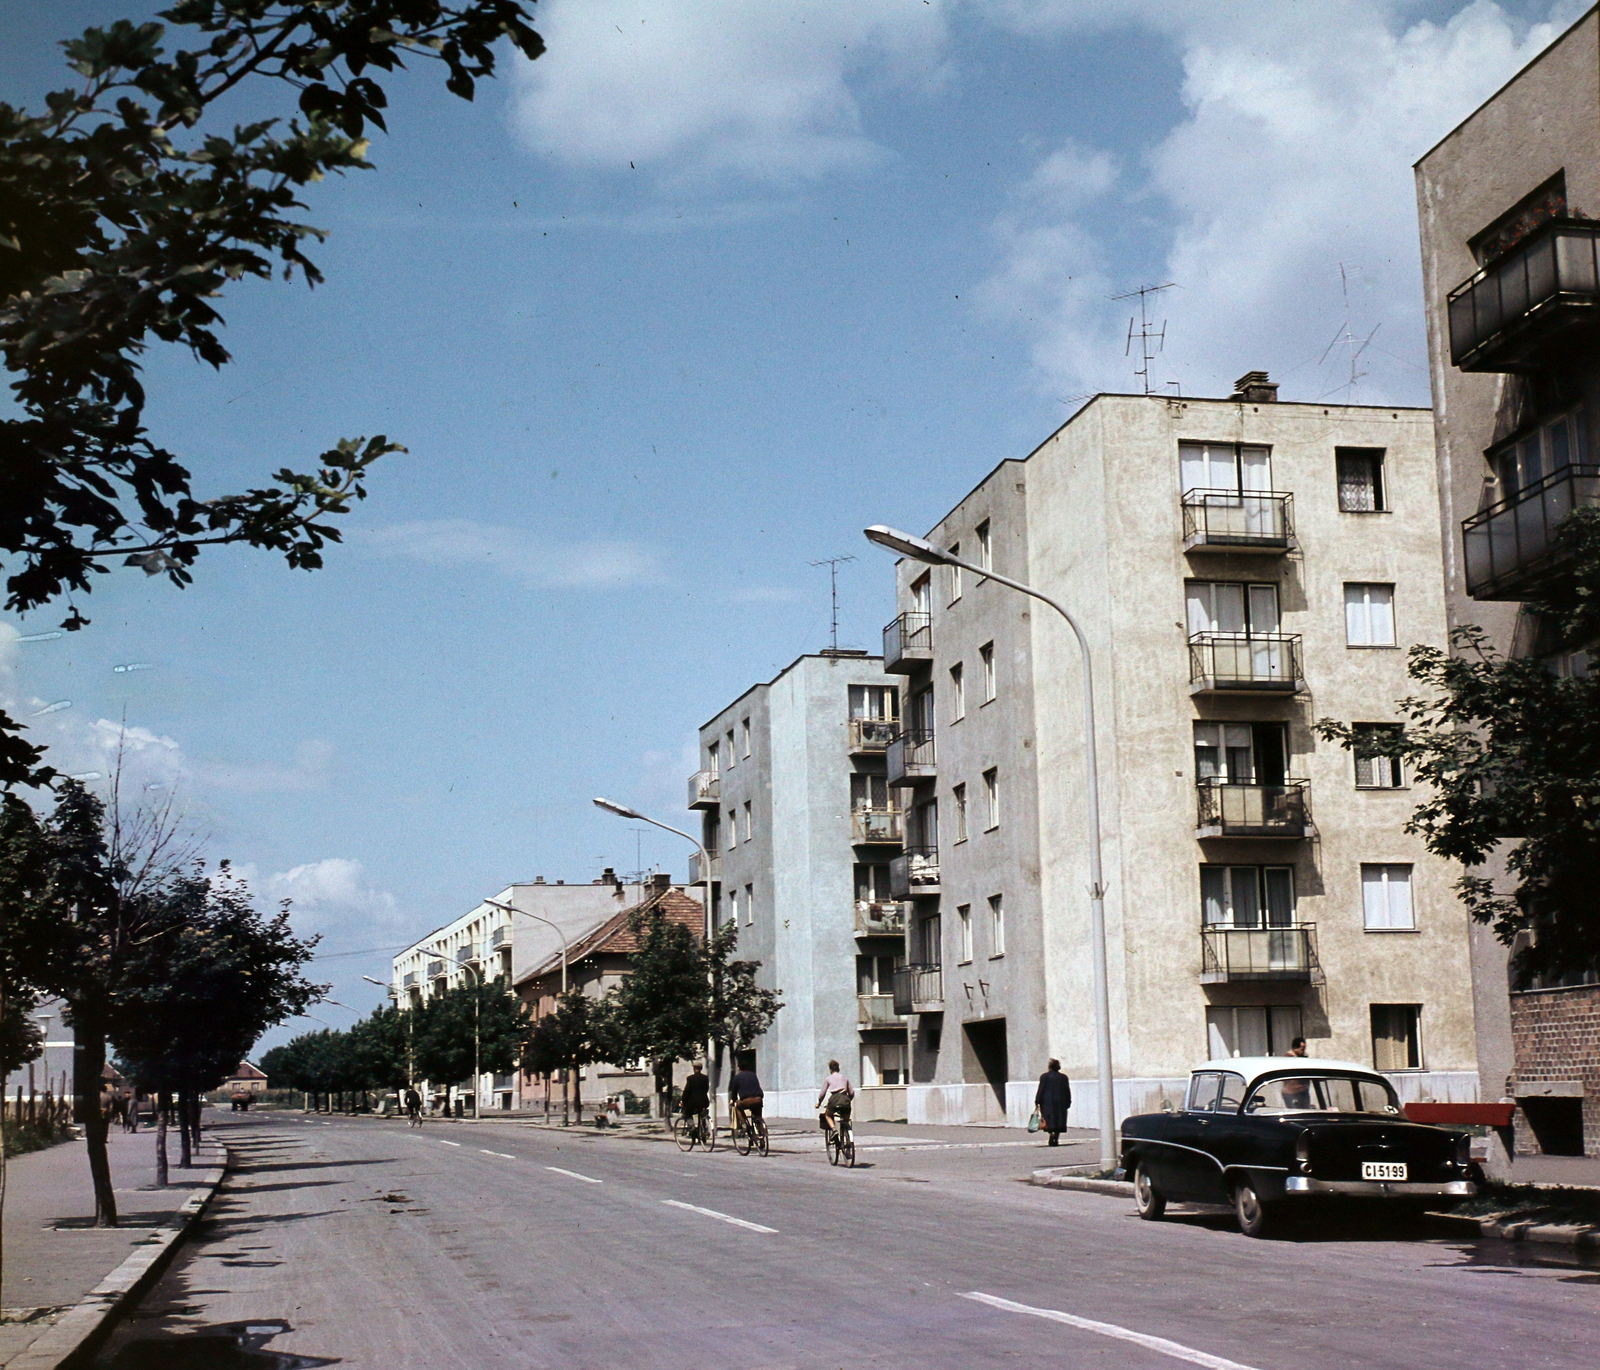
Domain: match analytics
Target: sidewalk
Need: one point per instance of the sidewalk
(54, 1256)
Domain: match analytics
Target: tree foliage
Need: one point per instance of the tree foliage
(448, 1024)
(740, 1010)
(661, 1012)
(125, 212)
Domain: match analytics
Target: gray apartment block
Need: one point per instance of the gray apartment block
(801, 830)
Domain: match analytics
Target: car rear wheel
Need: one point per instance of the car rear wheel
(1150, 1202)
(1256, 1219)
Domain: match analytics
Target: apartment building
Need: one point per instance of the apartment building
(1511, 271)
(489, 942)
(801, 828)
(1242, 567)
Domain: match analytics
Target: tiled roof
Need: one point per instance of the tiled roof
(616, 937)
(247, 1071)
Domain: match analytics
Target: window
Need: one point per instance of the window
(745, 731)
(1369, 615)
(924, 827)
(869, 791)
(1396, 1037)
(985, 546)
(749, 905)
(1247, 896)
(713, 761)
(730, 749)
(1224, 467)
(872, 883)
(955, 574)
(733, 828)
(875, 974)
(919, 712)
(986, 658)
(1376, 766)
(932, 941)
(1265, 1030)
(1386, 898)
(1241, 753)
(712, 832)
(958, 796)
(997, 925)
(883, 1063)
(958, 693)
(1554, 444)
(991, 799)
(921, 596)
(964, 926)
(1222, 606)
(1202, 1092)
(1360, 479)
(873, 701)
(748, 824)
(733, 904)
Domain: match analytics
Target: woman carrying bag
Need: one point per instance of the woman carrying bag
(1052, 1101)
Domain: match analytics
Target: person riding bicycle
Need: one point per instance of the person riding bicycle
(696, 1096)
(413, 1106)
(835, 1096)
(744, 1091)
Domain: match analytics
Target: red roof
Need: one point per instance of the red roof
(616, 936)
(247, 1071)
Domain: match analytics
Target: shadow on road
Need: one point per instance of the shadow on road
(228, 1346)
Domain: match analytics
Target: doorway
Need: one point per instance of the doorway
(983, 1059)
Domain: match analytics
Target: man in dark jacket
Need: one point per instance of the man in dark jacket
(1053, 1100)
(696, 1097)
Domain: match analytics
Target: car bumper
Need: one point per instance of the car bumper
(1305, 1185)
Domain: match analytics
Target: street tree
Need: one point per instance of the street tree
(741, 1009)
(473, 1027)
(127, 207)
(567, 1039)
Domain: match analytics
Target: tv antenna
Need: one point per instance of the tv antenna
(1146, 333)
(1354, 346)
(833, 564)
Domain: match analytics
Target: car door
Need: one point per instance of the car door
(1192, 1172)
(1234, 1139)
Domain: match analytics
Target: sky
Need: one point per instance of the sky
(665, 318)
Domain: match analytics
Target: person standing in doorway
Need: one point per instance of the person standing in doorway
(1053, 1100)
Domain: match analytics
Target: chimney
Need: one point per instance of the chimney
(1254, 388)
(607, 877)
(661, 880)
(538, 879)
(561, 882)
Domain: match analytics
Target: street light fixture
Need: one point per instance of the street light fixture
(920, 549)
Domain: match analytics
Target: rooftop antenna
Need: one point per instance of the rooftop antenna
(833, 564)
(1354, 346)
(1147, 333)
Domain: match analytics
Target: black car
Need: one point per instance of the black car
(1267, 1132)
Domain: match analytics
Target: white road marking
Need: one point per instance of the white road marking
(442, 1142)
(721, 1217)
(502, 1155)
(1108, 1329)
(587, 1179)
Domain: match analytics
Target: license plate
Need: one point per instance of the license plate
(1383, 1170)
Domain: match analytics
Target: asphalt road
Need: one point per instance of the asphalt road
(499, 1245)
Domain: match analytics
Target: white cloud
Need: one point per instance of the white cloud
(516, 552)
(332, 891)
(1295, 157)
(685, 91)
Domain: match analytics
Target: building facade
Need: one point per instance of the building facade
(801, 830)
(1242, 568)
(1511, 273)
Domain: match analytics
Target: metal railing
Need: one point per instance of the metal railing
(1510, 543)
(697, 875)
(1240, 520)
(915, 871)
(1254, 810)
(501, 937)
(919, 989)
(877, 826)
(1502, 317)
(910, 756)
(409, 979)
(876, 917)
(705, 789)
(1229, 954)
(1245, 661)
(877, 1010)
(435, 969)
(872, 734)
(907, 638)
(467, 951)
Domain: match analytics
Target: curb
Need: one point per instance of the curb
(1056, 1179)
(79, 1330)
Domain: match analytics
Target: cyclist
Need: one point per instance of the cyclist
(413, 1108)
(696, 1096)
(835, 1096)
(745, 1095)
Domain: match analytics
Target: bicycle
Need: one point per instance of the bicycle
(841, 1140)
(750, 1133)
(699, 1129)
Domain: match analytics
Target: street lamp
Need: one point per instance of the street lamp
(920, 549)
(538, 918)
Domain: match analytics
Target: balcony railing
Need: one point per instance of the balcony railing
(1227, 663)
(880, 917)
(409, 979)
(1254, 810)
(1231, 954)
(877, 827)
(1247, 521)
(1514, 313)
(705, 790)
(435, 969)
(915, 871)
(877, 1011)
(910, 757)
(872, 734)
(907, 641)
(919, 989)
(1510, 545)
(697, 875)
(466, 952)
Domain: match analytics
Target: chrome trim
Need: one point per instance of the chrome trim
(1162, 1141)
(1395, 1189)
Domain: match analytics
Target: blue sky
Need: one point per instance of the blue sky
(667, 316)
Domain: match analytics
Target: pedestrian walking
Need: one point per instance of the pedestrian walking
(1053, 1099)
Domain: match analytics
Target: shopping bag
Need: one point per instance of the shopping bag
(1034, 1121)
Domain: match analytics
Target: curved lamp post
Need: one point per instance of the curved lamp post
(920, 549)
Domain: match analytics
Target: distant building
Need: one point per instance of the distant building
(1508, 203)
(247, 1079)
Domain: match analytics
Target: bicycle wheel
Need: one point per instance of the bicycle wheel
(743, 1137)
(708, 1136)
(683, 1133)
(832, 1145)
(761, 1136)
(848, 1146)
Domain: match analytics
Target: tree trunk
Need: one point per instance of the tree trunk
(185, 1132)
(577, 1096)
(89, 1066)
(161, 1137)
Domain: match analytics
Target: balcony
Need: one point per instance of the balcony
(872, 735)
(877, 1011)
(1510, 546)
(914, 872)
(1254, 810)
(919, 989)
(1231, 521)
(1241, 663)
(907, 643)
(697, 875)
(408, 980)
(1241, 955)
(705, 790)
(880, 918)
(501, 937)
(1520, 311)
(910, 757)
(877, 827)
(465, 953)
(435, 970)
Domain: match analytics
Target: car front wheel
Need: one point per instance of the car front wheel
(1150, 1202)
(1256, 1219)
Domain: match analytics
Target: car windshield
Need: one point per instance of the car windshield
(1323, 1094)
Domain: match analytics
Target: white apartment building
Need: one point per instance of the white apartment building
(1242, 567)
